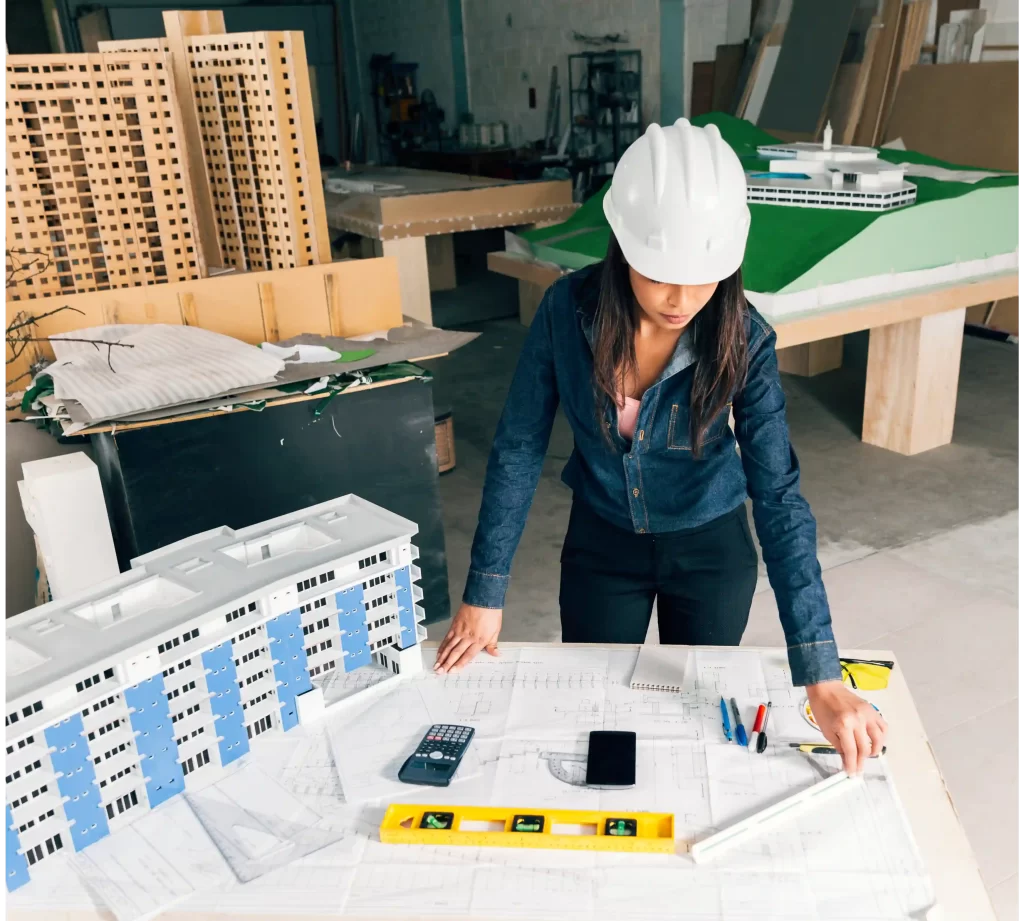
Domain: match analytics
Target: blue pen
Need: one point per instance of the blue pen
(741, 733)
(726, 728)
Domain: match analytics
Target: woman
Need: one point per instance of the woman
(647, 352)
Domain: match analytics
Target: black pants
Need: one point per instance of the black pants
(703, 579)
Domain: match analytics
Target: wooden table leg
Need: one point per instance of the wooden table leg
(529, 300)
(413, 274)
(441, 261)
(811, 358)
(913, 370)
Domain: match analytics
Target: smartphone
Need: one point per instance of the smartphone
(611, 760)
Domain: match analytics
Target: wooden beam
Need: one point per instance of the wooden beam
(189, 316)
(523, 268)
(529, 300)
(811, 358)
(878, 78)
(413, 275)
(828, 322)
(441, 261)
(913, 370)
(179, 25)
(844, 319)
(849, 128)
(269, 310)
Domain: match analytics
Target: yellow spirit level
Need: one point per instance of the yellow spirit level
(497, 826)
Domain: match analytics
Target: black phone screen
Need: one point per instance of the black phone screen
(611, 759)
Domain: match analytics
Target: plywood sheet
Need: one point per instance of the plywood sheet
(728, 61)
(702, 88)
(813, 45)
(349, 298)
(761, 80)
(846, 128)
(964, 113)
(878, 74)
(843, 99)
(910, 36)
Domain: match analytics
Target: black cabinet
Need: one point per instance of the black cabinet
(168, 481)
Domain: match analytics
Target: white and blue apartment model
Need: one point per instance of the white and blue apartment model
(119, 698)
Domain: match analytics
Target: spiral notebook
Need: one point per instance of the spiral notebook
(658, 668)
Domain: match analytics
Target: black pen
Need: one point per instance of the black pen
(762, 738)
(819, 748)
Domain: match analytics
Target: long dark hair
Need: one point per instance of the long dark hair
(720, 339)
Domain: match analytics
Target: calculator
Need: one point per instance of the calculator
(438, 755)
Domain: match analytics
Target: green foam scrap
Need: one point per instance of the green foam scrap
(355, 355)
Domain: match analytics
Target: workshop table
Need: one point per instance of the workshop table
(958, 886)
(411, 214)
(168, 479)
(913, 356)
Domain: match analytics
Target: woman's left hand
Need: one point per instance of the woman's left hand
(849, 722)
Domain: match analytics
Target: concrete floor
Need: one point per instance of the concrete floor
(920, 554)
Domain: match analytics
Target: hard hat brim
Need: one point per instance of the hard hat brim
(675, 268)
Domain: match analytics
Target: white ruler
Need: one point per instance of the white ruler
(746, 828)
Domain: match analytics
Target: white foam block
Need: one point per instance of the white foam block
(63, 503)
(310, 706)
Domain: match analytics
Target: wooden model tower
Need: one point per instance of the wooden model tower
(98, 188)
(252, 124)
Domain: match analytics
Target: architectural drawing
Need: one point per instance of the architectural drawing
(123, 696)
(827, 176)
(257, 824)
(857, 851)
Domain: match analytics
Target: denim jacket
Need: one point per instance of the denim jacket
(655, 484)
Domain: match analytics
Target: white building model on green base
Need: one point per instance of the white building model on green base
(827, 176)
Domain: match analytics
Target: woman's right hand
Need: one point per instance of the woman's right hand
(472, 629)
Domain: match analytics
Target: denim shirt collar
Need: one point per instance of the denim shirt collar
(684, 354)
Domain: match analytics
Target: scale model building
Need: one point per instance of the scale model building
(118, 697)
(827, 176)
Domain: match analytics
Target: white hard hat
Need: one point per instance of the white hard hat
(678, 205)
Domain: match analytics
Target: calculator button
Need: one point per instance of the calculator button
(436, 755)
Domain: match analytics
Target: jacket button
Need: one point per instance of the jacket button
(641, 531)
(636, 492)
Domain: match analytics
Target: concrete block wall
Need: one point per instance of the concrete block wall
(513, 46)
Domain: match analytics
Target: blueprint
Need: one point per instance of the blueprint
(291, 829)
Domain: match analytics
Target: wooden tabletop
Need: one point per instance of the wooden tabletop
(428, 203)
(419, 181)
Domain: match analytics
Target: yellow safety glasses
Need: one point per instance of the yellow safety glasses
(866, 674)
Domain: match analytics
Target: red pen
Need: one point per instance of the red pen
(755, 732)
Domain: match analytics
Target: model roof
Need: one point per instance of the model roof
(169, 591)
